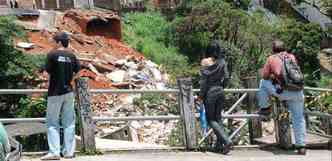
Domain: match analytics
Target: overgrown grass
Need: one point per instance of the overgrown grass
(148, 33)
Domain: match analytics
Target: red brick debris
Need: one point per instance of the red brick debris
(95, 39)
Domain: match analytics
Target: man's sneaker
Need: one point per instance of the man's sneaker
(265, 111)
(302, 151)
(68, 156)
(50, 156)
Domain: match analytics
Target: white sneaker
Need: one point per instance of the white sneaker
(69, 156)
(50, 156)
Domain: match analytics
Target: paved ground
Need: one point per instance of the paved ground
(239, 155)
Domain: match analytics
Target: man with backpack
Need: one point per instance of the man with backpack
(283, 79)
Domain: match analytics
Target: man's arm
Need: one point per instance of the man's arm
(226, 77)
(49, 63)
(76, 68)
(203, 85)
(266, 70)
(76, 65)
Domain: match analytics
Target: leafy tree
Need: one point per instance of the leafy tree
(17, 70)
(246, 37)
(303, 39)
(327, 6)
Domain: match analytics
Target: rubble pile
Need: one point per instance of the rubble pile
(108, 63)
(151, 132)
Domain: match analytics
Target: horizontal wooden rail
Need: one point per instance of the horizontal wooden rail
(129, 118)
(22, 120)
(137, 118)
(119, 91)
(321, 114)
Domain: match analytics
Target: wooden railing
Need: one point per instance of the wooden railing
(185, 94)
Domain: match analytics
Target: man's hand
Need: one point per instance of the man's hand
(76, 76)
(199, 98)
(272, 77)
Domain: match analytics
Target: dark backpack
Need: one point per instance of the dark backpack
(293, 77)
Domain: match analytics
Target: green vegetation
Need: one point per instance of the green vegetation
(304, 41)
(148, 33)
(327, 6)
(17, 70)
(157, 104)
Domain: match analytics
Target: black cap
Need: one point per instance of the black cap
(61, 36)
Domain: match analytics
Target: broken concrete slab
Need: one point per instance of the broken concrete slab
(25, 129)
(126, 133)
(46, 20)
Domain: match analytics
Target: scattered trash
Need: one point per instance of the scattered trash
(25, 45)
(109, 64)
(117, 76)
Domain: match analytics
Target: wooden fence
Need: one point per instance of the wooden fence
(187, 115)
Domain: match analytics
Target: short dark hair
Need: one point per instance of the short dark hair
(278, 46)
(215, 50)
(63, 38)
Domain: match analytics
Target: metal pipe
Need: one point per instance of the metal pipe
(318, 89)
(115, 91)
(241, 116)
(130, 118)
(235, 90)
(236, 103)
(118, 91)
(246, 116)
(321, 114)
(22, 120)
(22, 91)
(136, 118)
(319, 134)
(238, 130)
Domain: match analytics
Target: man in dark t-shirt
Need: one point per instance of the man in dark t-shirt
(61, 65)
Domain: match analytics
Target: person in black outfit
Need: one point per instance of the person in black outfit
(11, 4)
(61, 65)
(214, 78)
(15, 4)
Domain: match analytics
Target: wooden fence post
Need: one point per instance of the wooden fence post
(282, 125)
(186, 103)
(87, 125)
(255, 125)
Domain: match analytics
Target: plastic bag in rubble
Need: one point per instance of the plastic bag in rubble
(141, 76)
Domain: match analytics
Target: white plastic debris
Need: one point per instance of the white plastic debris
(156, 74)
(117, 76)
(25, 45)
(121, 62)
(151, 64)
(131, 65)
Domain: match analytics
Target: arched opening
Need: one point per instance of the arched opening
(104, 27)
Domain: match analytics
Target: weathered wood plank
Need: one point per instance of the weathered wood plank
(255, 125)
(87, 125)
(186, 103)
(282, 125)
(311, 140)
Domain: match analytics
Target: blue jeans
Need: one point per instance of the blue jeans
(64, 105)
(295, 103)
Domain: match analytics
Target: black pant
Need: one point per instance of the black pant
(214, 104)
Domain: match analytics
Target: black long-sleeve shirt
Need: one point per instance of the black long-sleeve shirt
(213, 75)
(61, 66)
